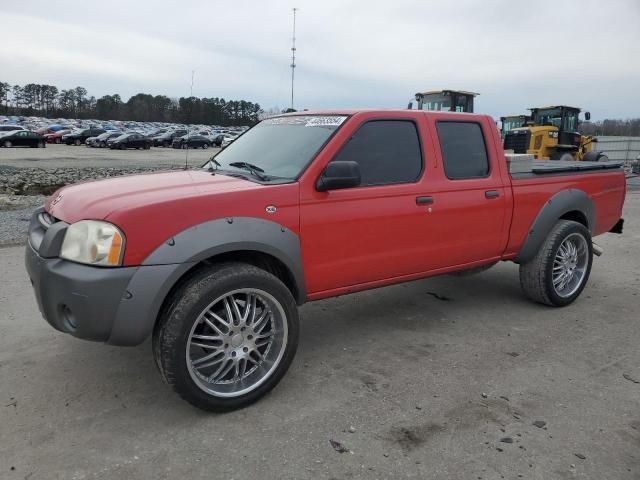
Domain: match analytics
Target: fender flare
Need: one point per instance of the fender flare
(163, 268)
(558, 205)
(225, 235)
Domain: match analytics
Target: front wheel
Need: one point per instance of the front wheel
(7, 144)
(227, 337)
(78, 142)
(559, 272)
(205, 146)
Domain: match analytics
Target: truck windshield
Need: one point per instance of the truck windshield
(280, 146)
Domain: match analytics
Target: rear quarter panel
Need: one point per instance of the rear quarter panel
(605, 189)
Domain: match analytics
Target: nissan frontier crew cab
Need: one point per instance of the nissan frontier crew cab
(212, 263)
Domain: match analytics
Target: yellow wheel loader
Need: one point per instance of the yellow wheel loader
(445, 101)
(510, 122)
(552, 134)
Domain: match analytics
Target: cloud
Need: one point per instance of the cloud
(350, 53)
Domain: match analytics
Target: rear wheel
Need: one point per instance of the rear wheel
(41, 144)
(58, 141)
(227, 336)
(559, 272)
(184, 146)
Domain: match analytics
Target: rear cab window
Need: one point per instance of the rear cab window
(463, 148)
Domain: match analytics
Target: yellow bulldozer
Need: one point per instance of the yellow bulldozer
(551, 134)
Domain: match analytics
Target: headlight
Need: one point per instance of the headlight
(94, 243)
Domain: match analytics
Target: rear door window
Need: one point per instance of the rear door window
(387, 151)
(463, 150)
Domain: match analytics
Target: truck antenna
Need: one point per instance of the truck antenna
(186, 152)
(293, 53)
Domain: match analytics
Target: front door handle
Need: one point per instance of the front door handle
(426, 200)
(491, 194)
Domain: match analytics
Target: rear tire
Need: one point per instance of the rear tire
(57, 141)
(194, 325)
(568, 251)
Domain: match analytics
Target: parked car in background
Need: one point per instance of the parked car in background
(215, 139)
(166, 139)
(23, 138)
(80, 136)
(101, 140)
(129, 140)
(56, 137)
(227, 139)
(191, 141)
(10, 128)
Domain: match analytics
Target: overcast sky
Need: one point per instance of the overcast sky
(350, 53)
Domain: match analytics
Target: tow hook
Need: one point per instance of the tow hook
(597, 249)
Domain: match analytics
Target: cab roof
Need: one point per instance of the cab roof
(435, 92)
(395, 111)
(554, 106)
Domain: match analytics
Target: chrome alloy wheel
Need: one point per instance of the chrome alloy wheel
(570, 265)
(237, 342)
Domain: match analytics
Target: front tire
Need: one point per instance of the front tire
(78, 142)
(227, 336)
(560, 270)
(7, 144)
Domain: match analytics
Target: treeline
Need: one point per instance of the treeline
(625, 128)
(48, 101)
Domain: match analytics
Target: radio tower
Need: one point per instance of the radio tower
(293, 54)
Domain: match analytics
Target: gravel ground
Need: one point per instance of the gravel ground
(15, 213)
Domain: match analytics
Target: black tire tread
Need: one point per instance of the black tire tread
(533, 274)
(169, 331)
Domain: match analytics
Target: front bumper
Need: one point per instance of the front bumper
(77, 299)
(118, 306)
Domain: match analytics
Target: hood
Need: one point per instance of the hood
(98, 199)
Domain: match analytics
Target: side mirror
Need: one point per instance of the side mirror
(410, 106)
(587, 116)
(339, 175)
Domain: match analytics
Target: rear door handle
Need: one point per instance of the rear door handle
(491, 194)
(426, 200)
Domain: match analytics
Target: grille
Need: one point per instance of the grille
(517, 140)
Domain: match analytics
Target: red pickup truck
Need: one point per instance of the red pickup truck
(213, 262)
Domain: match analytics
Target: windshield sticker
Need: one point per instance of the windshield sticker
(307, 120)
(330, 121)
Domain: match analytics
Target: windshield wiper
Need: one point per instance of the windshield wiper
(254, 169)
(212, 161)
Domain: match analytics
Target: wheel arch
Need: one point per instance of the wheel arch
(570, 204)
(255, 241)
